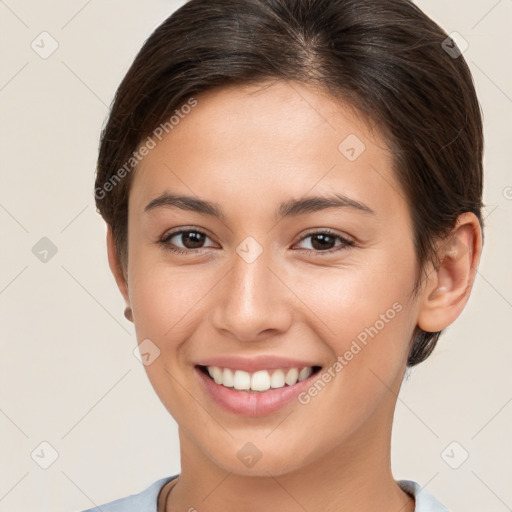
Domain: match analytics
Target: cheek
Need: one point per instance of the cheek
(163, 300)
(366, 317)
(369, 319)
(352, 299)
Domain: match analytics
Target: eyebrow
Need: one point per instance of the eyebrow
(289, 208)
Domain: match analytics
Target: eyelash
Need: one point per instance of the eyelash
(345, 243)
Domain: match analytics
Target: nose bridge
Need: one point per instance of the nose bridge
(253, 299)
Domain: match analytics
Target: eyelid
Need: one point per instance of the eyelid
(182, 229)
(186, 229)
(326, 231)
(346, 241)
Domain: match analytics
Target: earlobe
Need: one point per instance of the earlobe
(449, 285)
(115, 267)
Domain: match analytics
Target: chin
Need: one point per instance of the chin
(259, 458)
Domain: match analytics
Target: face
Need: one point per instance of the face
(263, 277)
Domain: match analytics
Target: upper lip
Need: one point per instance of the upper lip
(255, 363)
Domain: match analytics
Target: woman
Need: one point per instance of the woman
(293, 194)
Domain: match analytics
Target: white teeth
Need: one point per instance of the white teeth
(277, 379)
(215, 373)
(305, 373)
(292, 376)
(262, 380)
(227, 378)
(241, 380)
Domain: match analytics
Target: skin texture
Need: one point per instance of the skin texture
(249, 149)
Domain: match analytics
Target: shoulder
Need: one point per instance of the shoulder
(144, 501)
(425, 502)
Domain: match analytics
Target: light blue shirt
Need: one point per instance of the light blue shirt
(147, 500)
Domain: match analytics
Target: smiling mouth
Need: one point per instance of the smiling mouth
(259, 381)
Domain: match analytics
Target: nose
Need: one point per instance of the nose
(254, 302)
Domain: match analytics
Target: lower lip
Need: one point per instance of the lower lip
(253, 404)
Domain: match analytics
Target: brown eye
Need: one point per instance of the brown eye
(184, 240)
(191, 239)
(326, 241)
(321, 241)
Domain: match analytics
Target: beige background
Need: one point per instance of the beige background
(68, 376)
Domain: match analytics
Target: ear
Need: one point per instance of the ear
(115, 267)
(449, 285)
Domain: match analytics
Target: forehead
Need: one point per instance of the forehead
(275, 138)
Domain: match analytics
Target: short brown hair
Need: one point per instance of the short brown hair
(386, 58)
